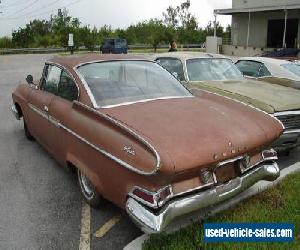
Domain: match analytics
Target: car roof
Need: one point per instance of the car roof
(274, 66)
(188, 55)
(75, 60)
(265, 60)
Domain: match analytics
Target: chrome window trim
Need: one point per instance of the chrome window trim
(146, 100)
(102, 151)
(68, 73)
(248, 105)
(90, 94)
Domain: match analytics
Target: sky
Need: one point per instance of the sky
(117, 13)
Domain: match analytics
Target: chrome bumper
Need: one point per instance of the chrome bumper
(15, 112)
(151, 222)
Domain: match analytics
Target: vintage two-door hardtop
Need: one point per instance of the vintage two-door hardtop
(138, 138)
(217, 74)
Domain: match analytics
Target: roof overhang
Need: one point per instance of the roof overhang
(257, 9)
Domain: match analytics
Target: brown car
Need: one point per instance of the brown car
(138, 138)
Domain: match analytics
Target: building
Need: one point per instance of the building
(259, 25)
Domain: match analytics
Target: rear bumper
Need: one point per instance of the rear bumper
(15, 112)
(288, 140)
(151, 222)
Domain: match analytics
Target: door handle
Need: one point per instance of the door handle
(46, 108)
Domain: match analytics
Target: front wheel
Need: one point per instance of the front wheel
(88, 190)
(27, 132)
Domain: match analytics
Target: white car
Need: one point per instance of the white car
(271, 70)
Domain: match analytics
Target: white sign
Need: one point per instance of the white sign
(71, 41)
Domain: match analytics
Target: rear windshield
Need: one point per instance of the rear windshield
(118, 82)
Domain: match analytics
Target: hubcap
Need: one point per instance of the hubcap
(86, 185)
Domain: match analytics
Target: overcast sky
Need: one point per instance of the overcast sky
(117, 13)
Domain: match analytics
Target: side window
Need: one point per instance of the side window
(51, 79)
(67, 88)
(249, 68)
(173, 65)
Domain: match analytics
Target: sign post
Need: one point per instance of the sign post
(71, 43)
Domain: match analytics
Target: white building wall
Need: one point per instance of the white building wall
(258, 27)
(261, 3)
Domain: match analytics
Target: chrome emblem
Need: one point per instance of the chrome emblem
(129, 150)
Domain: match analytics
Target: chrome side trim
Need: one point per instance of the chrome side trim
(156, 222)
(146, 100)
(133, 133)
(246, 104)
(57, 123)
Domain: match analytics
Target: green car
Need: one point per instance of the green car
(219, 75)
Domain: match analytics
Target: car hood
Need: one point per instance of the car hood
(194, 132)
(266, 96)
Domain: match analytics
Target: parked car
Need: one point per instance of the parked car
(114, 46)
(290, 54)
(138, 138)
(218, 74)
(271, 70)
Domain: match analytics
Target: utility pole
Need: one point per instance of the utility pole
(0, 6)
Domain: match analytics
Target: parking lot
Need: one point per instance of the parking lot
(41, 205)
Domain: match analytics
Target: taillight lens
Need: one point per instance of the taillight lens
(269, 154)
(148, 197)
(152, 199)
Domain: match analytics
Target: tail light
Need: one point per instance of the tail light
(269, 154)
(152, 199)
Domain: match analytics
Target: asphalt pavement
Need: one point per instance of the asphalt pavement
(40, 202)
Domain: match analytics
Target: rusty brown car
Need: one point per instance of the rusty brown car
(138, 138)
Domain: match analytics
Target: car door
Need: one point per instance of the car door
(39, 103)
(59, 114)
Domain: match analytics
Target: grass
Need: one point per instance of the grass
(280, 203)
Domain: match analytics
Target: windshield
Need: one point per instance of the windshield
(118, 82)
(292, 67)
(211, 69)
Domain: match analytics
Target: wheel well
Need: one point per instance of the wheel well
(18, 107)
(71, 167)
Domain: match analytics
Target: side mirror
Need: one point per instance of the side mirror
(29, 79)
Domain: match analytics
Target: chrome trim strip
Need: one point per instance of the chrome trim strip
(107, 154)
(292, 112)
(146, 100)
(151, 222)
(134, 134)
(246, 104)
(229, 161)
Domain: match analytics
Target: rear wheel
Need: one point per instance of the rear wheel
(88, 190)
(27, 132)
